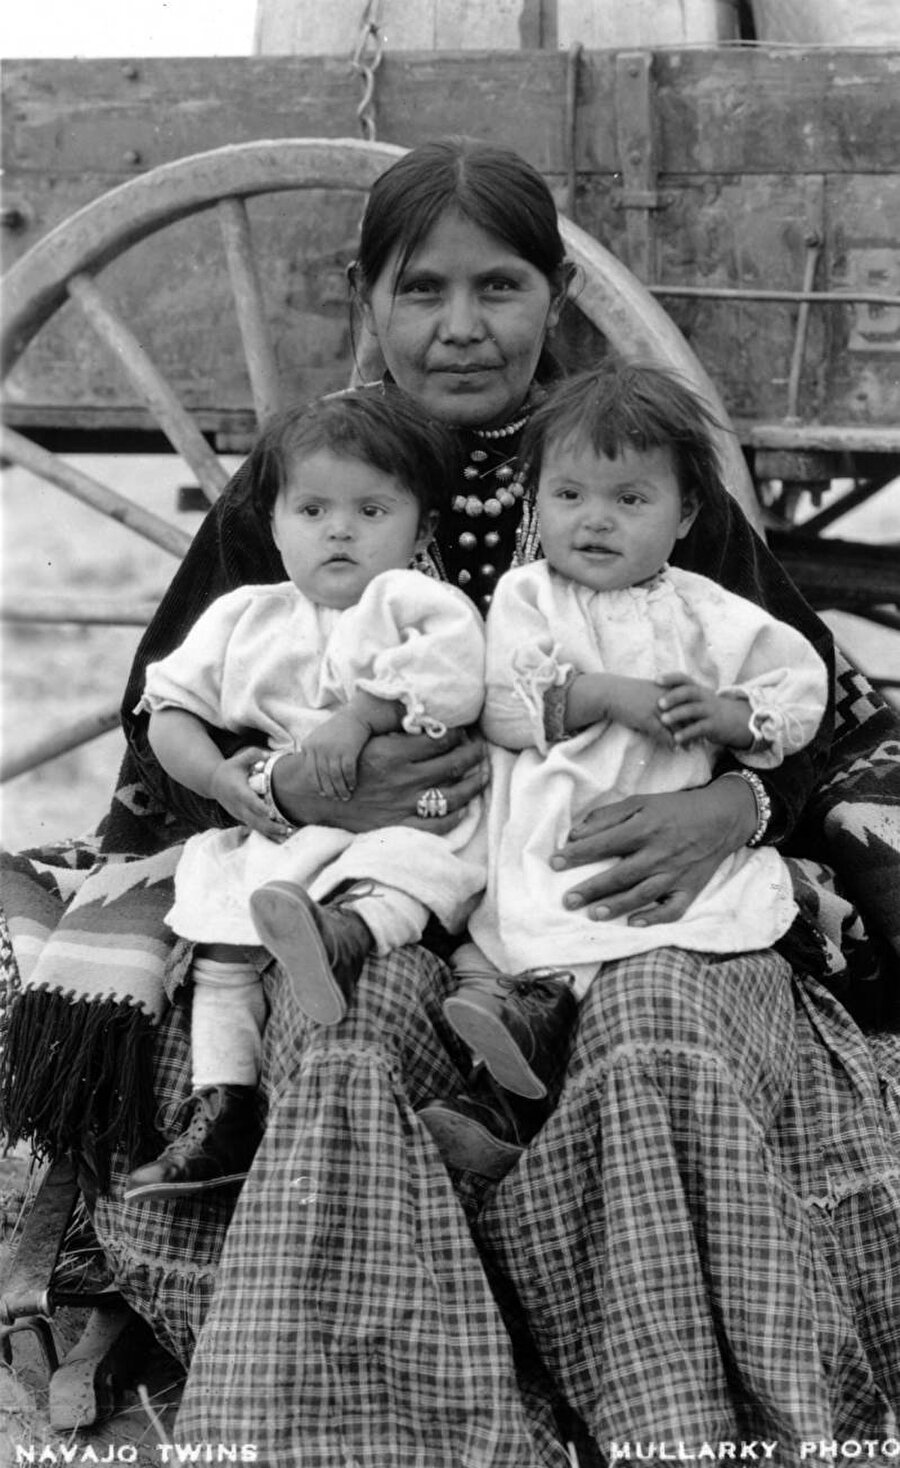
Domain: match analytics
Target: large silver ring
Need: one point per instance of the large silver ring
(431, 803)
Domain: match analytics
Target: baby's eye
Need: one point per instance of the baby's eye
(311, 512)
(373, 512)
(629, 498)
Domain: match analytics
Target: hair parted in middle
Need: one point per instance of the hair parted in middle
(633, 405)
(379, 426)
(492, 186)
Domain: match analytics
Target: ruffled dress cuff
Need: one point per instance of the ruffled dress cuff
(540, 684)
(416, 719)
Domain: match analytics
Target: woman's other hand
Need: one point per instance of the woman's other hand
(394, 771)
(666, 848)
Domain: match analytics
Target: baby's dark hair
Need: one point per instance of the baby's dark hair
(377, 426)
(634, 405)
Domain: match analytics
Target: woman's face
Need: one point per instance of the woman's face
(462, 328)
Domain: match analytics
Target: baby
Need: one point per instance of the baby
(352, 644)
(611, 674)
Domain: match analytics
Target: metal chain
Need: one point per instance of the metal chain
(366, 60)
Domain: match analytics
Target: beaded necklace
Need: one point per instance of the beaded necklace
(480, 532)
(492, 525)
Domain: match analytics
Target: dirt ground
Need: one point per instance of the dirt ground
(132, 1433)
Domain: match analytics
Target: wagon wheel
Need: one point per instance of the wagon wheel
(65, 265)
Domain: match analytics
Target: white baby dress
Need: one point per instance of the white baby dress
(265, 658)
(541, 625)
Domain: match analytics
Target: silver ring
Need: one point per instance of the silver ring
(431, 803)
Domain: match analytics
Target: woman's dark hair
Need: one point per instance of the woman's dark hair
(492, 187)
(376, 426)
(634, 405)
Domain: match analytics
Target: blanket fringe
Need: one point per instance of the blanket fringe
(76, 1076)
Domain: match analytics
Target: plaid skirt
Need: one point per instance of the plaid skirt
(701, 1247)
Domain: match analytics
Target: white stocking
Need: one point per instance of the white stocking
(227, 1018)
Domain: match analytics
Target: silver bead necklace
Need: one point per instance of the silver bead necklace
(510, 488)
(505, 432)
(506, 487)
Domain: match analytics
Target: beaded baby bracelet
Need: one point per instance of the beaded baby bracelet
(260, 781)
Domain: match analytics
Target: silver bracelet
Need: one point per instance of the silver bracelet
(260, 780)
(763, 803)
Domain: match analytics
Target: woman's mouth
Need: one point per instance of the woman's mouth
(465, 369)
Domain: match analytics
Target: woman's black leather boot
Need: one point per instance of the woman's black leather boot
(214, 1151)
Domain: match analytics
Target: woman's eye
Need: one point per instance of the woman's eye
(499, 285)
(421, 285)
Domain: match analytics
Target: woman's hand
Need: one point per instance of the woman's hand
(393, 771)
(667, 848)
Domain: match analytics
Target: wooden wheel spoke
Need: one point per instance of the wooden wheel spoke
(94, 611)
(259, 350)
(175, 421)
(60, 741)
(83, 487)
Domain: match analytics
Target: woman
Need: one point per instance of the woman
(699, 1244)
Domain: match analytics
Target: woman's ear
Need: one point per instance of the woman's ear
(690, 509)
(565, 277)
(427, 526)
(358, 294)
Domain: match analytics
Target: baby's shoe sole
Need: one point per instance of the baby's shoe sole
(283, 918)
(465, 1144)
(489, 1040)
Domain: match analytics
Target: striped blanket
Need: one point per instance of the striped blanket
(91, 951)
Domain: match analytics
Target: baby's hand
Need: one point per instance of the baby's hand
(694, 712)
(233, 793)
(333, 751)
(634, 702)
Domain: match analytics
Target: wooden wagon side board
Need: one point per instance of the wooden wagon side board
(754, 153)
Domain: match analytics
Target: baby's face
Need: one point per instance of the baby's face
(609, 523)
(338, 522)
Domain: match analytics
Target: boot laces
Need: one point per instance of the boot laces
(532, 983)
(537, 988)
(197, 1129)
(345, 897)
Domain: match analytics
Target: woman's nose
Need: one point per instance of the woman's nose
(461, 319)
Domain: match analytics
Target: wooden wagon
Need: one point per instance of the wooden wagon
(748, 204)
